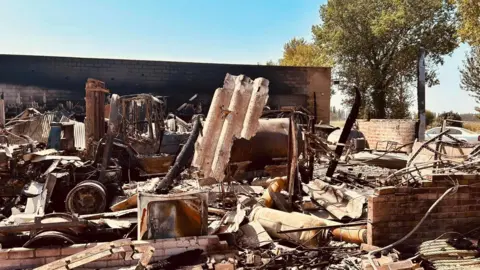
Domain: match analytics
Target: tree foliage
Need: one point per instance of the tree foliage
(471, 74)
(299, 52)
(375, 44)
(469, 26)
(271, 63)
(449, 115)
(429, 117)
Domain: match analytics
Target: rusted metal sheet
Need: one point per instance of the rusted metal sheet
(155, 164)
(174, 215)
(270, 142)
(94, 112)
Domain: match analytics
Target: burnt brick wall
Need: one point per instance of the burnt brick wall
(63, 78)
(401, 131)
(393, 212)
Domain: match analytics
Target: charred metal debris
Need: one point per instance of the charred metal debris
(244, 187)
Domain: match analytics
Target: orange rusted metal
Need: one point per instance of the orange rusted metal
(94, 113)
(357, 235)
(276, 185)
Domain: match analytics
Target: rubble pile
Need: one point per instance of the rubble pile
(245, 187)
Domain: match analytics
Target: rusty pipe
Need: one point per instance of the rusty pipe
(277, 184)
(274, 221)
(357, 235)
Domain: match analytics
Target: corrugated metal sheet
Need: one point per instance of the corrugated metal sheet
(38, 128)
(79, 131)
(444, 256)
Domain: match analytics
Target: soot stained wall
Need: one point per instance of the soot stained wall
(57, 79)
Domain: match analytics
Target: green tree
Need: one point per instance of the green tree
(375, 44)
(449, 115)
(470, 74)
(299, 52)
(271, 63)
(429, 117)
(469, 26)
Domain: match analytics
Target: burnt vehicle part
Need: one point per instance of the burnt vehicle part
(173, 215)
(142, 122)
(87, 197)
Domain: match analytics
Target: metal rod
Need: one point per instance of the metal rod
(353, 224)
(352, 117)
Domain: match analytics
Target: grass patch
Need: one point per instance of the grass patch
(339, 123)
(473, 126)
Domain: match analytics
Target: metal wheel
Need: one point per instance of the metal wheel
(53, 238)
(61, 217)
(88, 197)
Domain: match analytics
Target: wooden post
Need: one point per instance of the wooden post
(421, 95)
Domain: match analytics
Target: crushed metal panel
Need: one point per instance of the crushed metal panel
(37, 128)
(339, 203)
(253, 235)
(174, 215)
(79, 135)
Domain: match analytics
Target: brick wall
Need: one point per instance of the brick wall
(22, 258)
(401, 131)
(63, 78)
(394, 212)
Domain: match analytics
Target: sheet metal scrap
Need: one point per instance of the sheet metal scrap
(340, 202)
(95, 113)
(174, 215)
(441, 255)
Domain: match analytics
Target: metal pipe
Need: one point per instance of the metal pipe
(352, 224)
(275, 221)
(277, 184)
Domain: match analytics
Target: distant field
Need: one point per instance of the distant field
(473, 126)
(340, 123)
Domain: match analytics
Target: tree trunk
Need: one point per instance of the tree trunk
(379, 103)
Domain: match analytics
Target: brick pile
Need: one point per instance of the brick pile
(395, 211)
(16, 258)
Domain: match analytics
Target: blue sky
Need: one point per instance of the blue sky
(182, 30)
